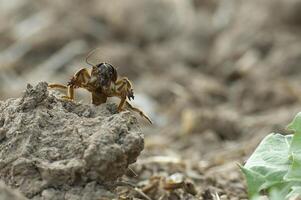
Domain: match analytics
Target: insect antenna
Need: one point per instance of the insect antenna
(89, 55)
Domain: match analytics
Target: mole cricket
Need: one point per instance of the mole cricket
(102, 82)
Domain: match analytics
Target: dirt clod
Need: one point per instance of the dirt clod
(56, 149)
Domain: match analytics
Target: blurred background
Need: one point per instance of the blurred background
(215, 76)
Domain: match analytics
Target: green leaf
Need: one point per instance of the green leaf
(295, 125)
(280, 191)
(271, 159)
(275, 166)
(272, 152)
(294, 171)
(254, 181)
(295, 151)
(295, 192)
(268, 164)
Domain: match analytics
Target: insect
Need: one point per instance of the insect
(102, 82)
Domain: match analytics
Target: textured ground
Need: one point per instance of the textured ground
(214, 76)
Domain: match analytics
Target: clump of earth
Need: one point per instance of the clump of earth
(57, 149)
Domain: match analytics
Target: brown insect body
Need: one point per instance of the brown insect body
(102, 82)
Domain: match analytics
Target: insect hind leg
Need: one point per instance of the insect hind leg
(141, 113)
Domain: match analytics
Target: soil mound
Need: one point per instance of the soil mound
(56, 149)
